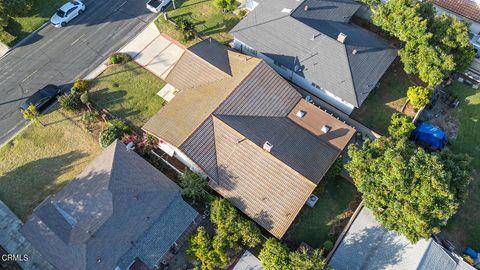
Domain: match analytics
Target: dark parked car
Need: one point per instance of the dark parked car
(42, 98)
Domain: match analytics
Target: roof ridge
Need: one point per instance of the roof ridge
(259, 147)
(210, 64)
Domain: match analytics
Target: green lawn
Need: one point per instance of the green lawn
(386, 100)
(208, 20)
(313, 225)
(129, 92)
(40, 160)
(40, 13)
(464, 227)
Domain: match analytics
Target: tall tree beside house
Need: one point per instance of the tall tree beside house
(400, 126)
(409, 190)
(419, 96)
(194, 186)
(276, 256)
(434, 45)
(31, 113)
(201, 249)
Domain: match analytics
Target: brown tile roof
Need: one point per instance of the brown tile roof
(226, 142)
(194, 103)
(257, 183)
(466, 8)
(313, 121)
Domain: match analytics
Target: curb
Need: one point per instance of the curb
(21, 42)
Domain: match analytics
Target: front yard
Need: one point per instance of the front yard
(208, 21)
(41, 160)
(387, 99)
(19, 27)
(463, 228)
(336, 203)
(129, 92)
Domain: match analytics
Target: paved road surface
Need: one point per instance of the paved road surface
(59, 56)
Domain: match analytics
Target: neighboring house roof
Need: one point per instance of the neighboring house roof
(227, 144)
(368, 245)
(306, 41)
(466, 8)
(118, 209)
(248, 261)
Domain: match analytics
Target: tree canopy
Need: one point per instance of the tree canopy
(434, 45)
(194, 186)
(400, 126)
(276, 256)
(419, 96)
(202, 249)
(409, 190)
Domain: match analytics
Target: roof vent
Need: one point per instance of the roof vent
(354, 51)
(267, 146)
(300, 114)
(305, 8)
(287, 10)
(341, 37)
(326, 129)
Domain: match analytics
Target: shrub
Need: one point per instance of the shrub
(419, 96)
(84, 98)
(400, 126)
(187, 28)
(194, 186)
(225, 5)
(119, 124)
(6, 37)
(328, 245)
(242, 13)
(89, 117)
(70, 102)
(108, 135)
(80, 86)
(118, 58)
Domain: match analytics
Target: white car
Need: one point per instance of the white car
(67, 12)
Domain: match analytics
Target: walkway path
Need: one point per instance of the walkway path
(14, 243)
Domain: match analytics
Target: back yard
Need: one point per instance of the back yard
(337, 200)
(463, 228)
(129, 92)
(386, 100)
(41, 160)
(41, 11)
(208, 21)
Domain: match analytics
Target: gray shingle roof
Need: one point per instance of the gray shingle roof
(368, 245)
(287, 39)
(99, 216)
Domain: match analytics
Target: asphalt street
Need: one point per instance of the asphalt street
(61, 55)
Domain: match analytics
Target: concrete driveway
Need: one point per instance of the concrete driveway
(154, 51)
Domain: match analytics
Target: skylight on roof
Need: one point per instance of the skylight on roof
(287, 10)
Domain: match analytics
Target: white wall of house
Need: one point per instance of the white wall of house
(474, 26)
(297, 79)
(182, 157)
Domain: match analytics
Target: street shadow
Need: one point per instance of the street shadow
(24, 187)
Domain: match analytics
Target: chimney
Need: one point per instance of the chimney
(267, 146)
(300, 114)
(305, 8)
(354, 51)
(341, 37)
(326, 129)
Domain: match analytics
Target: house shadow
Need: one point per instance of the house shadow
(24, 187)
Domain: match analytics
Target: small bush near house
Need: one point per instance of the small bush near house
(119, 124)
(70, 102)
(400, 126)
(80, 86)
(118, 58)
(89, 117)
(328, 245)
(6, 37)
(242, 13)
(186, 27)
(84, 98)
(109, 135)
(419, 96)
(194, 186)
(225, 5)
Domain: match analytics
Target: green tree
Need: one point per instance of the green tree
(186, 27)
(194, 186)
(70, 102)
(225, 5)
(201, 248)
(108, 135)
(408, 190)
(304, 260)
(274, 255)
(400, 126)
(31, 113)
(249, 233)
(419, 96)
(225, 217)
